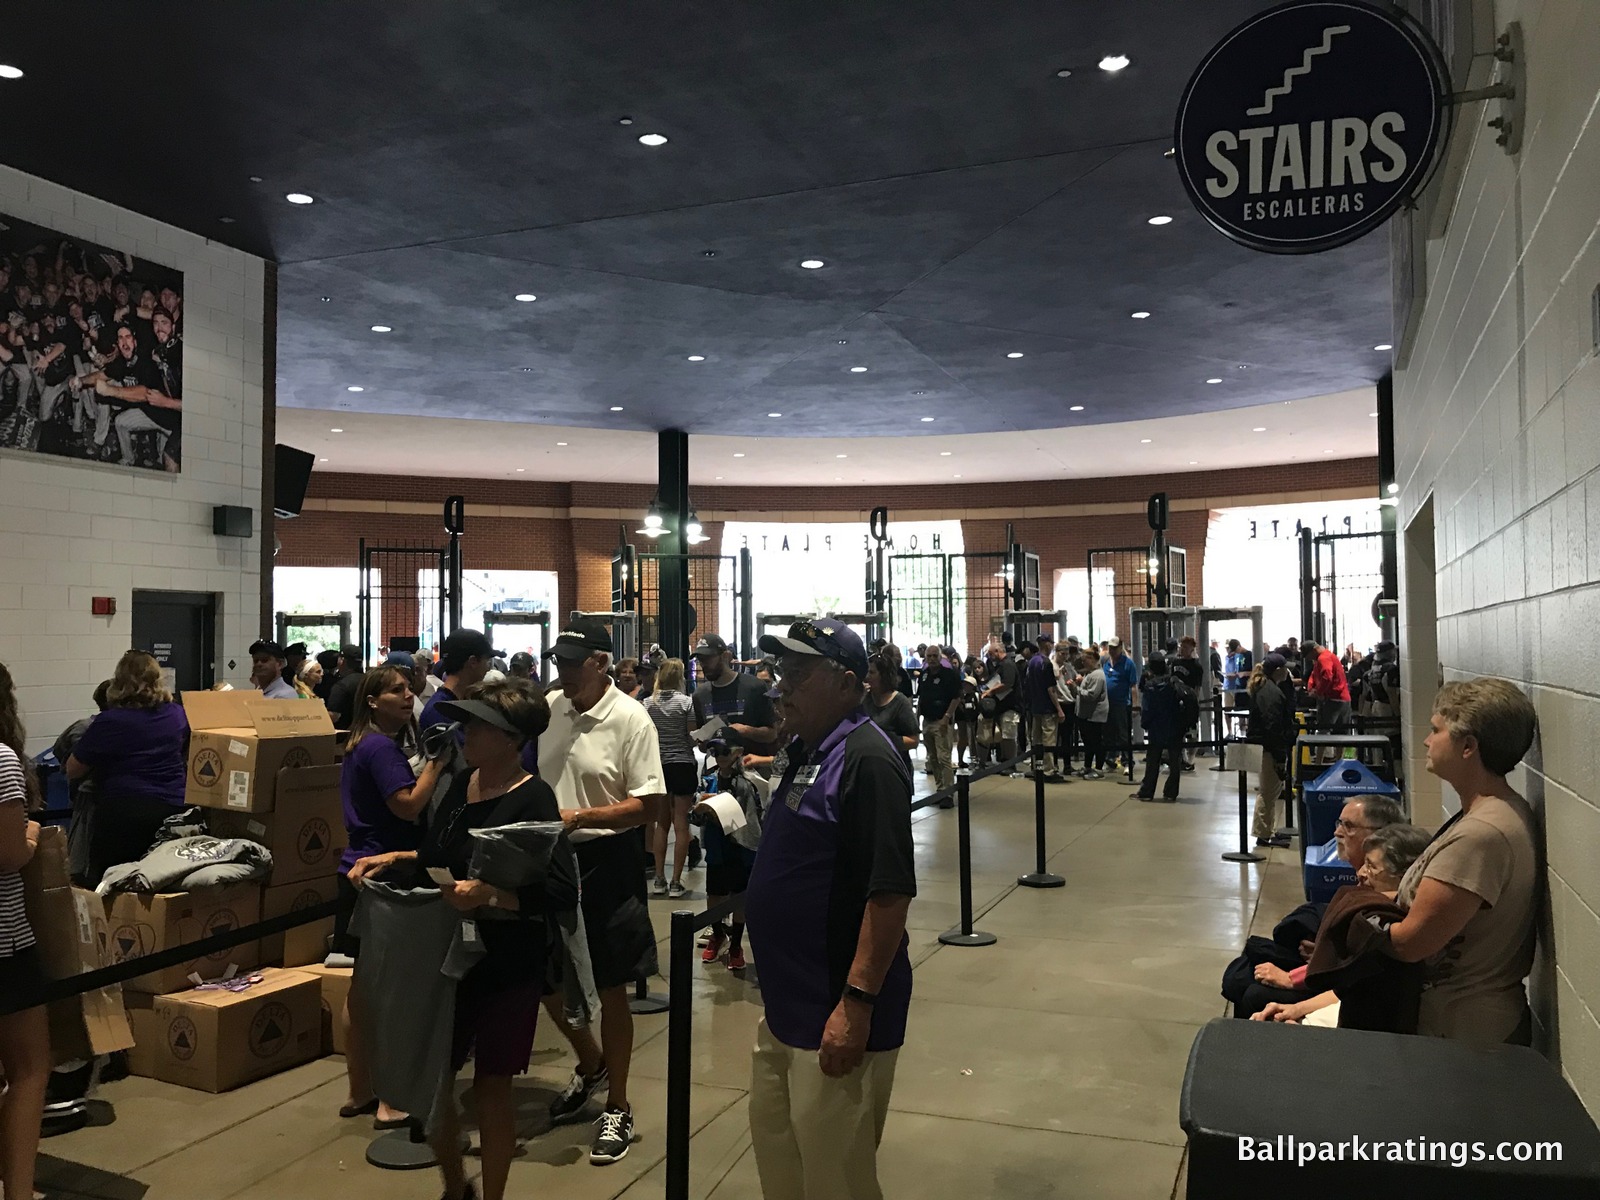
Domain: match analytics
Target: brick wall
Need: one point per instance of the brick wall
(72, 530)
(1497, 447)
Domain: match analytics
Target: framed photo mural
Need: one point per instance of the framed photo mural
(91, 351)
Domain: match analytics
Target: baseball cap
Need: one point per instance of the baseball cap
(1156, 664)
(462, 645)
(521, 659)
(710, 646)
(401, 659)
(825, 638)
(1114, 643)
(580, 639)
(266, 646)
(1273, 661)
(299, 648)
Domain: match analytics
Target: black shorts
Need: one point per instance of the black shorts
(682, 778)
(616, 912)
(731, 875)
(20, 973)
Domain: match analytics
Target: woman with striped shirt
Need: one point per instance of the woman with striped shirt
(24, 1036)
(673, 713)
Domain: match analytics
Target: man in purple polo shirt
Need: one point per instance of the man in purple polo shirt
(826, 909)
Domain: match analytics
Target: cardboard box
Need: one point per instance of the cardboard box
(217, 1040)
(335, 983)
(304, 944)
(143, 924)
(239, 741)
(305, 829)
(69, 925)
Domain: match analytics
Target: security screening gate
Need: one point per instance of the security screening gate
(405, 592)
(320, 631)
(537, 624)
(1150, 629)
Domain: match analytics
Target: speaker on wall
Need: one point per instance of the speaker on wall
(291, 473)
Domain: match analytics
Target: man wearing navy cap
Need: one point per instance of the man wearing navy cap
(266, 671)
(464, 660)
(826, 906)
(739, 699)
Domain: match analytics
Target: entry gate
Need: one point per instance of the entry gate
(958, 599)
(1121, 579)
(720, 589)
(1345, 585)
(405, 592)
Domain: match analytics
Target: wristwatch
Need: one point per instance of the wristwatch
(851, 992)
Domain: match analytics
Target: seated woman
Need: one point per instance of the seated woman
(1390, 851)
(497, 1002)
(138, 749)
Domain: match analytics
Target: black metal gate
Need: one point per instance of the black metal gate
(1178, 577)
(1345, 586)
(920, 607)
(957, 599)
(1123, 578)
(405, 593)
(717, 594)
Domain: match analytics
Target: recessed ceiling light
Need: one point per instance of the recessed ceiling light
(1385, 346)
(945, 453)
(382, 329)
(616, 408)
(322, 460)
(1159, 221)
(1015, 354)
(335, 431)
(327, 299)
(255, 179)
(738, 454)
(1139, 316)
(561, 443)
(652, 139)
(838, 478)
(857, 370)
(774, 414)
(1327, 451)
(844, 341)
(955, 477)
(624, 120)
(1372, 414)
(841, 456)
(298, 198)
(812, 264)
(355, 387)
(1144, 441)
(1113, 62)
(719, 476)
(520, 470)
(919, 393)
(697, 358)
(10, 72)
(524, 368)
(1064, 73)
(1076, 408)
(525, 297)
(708, 254)
(1194, 462)
(226, 220)
(1259, 429)
(1214, 379)
(925, 420)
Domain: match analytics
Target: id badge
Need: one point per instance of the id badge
(801, 784)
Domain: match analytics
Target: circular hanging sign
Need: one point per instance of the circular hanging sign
(1309, 124)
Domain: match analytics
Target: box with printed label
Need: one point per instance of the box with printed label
(239, 741)
(304, 943)
(335, 989)
(305, 829)
(219, 1039)
(143, 924)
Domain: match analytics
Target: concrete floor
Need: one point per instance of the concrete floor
(1045, 1066)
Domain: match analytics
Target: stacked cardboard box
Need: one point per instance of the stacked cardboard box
(335, 983)
(143, 924)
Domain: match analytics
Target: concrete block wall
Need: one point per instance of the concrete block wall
(1498, 444)
(70, 530)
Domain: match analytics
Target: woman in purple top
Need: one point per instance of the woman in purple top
(382, 801)
(137, 749)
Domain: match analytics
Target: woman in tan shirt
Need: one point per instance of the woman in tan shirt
(1472, 896)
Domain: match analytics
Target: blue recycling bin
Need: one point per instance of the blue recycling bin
(1327, 794)
(1325, 872)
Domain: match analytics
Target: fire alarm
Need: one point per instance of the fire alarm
(103, 606)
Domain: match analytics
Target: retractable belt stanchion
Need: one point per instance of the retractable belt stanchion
(679, 1031)
(1221, 731)
(1244, 853)
(644, 1002)
(1040, 878)
(966, 935)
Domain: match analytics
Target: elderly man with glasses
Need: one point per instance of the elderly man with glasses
(826, 906)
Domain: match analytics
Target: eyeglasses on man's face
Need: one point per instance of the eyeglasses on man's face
(1351, 826)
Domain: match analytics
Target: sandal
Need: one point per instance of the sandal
(359, 1110)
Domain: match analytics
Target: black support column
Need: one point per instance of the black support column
(672, 481)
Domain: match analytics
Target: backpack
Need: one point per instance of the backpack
(1188, 704)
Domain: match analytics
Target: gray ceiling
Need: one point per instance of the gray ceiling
(968, 203)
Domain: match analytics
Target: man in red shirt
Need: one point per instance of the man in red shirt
(1326, 681)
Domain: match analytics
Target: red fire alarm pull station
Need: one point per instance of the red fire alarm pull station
(103, 606)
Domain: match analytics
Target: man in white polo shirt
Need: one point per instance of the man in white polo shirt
(601, 756)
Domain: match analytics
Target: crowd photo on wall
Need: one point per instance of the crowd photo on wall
(91, 351)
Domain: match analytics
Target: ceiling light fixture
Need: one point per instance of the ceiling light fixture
(857, 370)
(335, 431)
(1372, 414)
(1214, 379)
(1385, 346)
(322, 460)
(719, 477)
(226, 220)
(524, 368)
(382, 329)
(520, 470)
(327, 299)
(697, 358)
(255, 179)
(1064, 73)
(1015, 354)
(10, 72)
(561, 443)
(812, 264)
(841, 456)
(774, 414)
(299, 198)
(1114, 62)
(1193, 463)
(652, 139)
(925, 420)
(525, 297)
(616, 408)
(708, 254)
(1139, 316)
(355, 387)
(946, 453)
(1159, 221)
(738, 453)
(1394, 489)
(624, 120)
(1327, 451)
(1259, 429)
(1144, 441)
(1076, 408)
(955, 477)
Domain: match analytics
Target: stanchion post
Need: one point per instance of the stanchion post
(1040, 878)
(1221, 731)
(1244, 853)
(644, 1002)
(966, 935)
(679, 1031)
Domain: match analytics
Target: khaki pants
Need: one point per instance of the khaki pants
(1000, 732)
(1267, 790)
(1042, 737)
(937, 735)
(816, 1138)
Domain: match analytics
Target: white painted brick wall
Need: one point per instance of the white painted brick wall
(1497, 415)
(70, 531)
